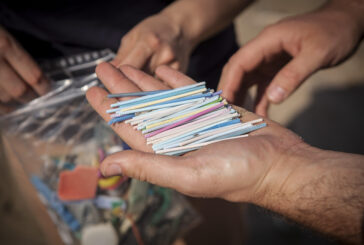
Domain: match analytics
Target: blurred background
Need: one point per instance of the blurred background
(327, 111)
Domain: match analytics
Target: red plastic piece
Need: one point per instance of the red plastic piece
(79, 184)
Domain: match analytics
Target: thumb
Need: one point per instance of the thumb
(292, 75)
(166, 171)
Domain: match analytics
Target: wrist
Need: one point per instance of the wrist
(284, 177)
(352, 11)
(319, 189)
(188, 30)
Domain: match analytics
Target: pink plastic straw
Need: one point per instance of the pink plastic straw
(184, 120)
(213, 115)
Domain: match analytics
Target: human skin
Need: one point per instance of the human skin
(272, 168)
(169, 37)
(21, 79)
(285, 54)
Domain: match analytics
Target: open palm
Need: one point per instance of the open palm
(235, 170)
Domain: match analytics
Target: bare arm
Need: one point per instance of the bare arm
(169, 37)
(354, 8)
(319, 189)
(199, 19)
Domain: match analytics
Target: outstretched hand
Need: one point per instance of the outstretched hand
(236, 170)
(285, 54)
(155, 41)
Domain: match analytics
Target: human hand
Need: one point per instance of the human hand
(155, 41)
(236, 170)
(271, 168)
(284, 54)
(21, 79)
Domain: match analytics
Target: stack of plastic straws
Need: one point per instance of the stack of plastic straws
(180, 120)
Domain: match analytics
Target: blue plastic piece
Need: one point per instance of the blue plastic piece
(121, 118)
(55, 203)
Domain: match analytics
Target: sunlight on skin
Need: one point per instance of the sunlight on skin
(251, 149)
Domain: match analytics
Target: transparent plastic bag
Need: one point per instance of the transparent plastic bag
(60, 132)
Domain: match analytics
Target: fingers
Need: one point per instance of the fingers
(128, 80)
(122, 53)
(4, 97)
(166, 171)
(136, 57)
(18, 72)
(114, 80)
(291, 76)
(25, 66)
(144, 81)
(262, 106)
(262, 101)
(165, 55)
(10, 82)
(245, 60)
(177, 66)
(172, 77)
(97, 97)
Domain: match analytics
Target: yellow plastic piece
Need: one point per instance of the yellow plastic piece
(108, 182)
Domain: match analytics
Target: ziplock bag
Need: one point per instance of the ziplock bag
(60, 142)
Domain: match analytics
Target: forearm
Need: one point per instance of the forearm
(321, 189)
(353, 9)
(200, 19)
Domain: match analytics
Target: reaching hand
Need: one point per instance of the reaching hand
(283, 55)
(20, 77)
(235, 170)
(154, 41)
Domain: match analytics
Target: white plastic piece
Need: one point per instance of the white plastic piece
(99, 234)
(114, 149)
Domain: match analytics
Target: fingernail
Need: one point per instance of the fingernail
(276, 94)
(112, 169)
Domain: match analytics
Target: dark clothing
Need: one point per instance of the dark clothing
(58, 28)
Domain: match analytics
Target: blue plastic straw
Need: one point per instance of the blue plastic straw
(197, 96)
(165, 94)
(154, 112)
(238, 131)
(234, 121)
(163, 144)
(180, 152)
(144, 93)
(178, 113)
(121, 119)
(135, 103)
(147, 115)
(177, 143)
(202, 95)
(145, 131)
(185, 115)
(158, 107)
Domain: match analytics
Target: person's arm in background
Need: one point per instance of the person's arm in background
(316, 40)
(272, 167)
(21, 79)
(169, 37)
